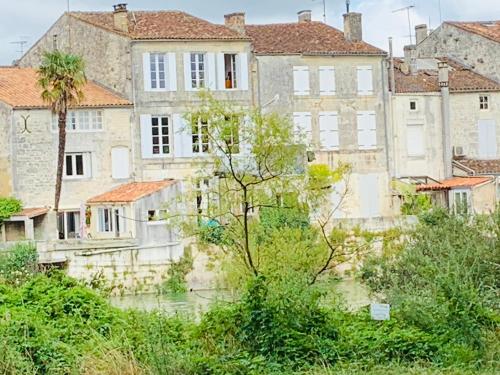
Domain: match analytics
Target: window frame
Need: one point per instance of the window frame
(74, 118)
(414, 101)
(161, 136)
(461, 192)
(86, 166)
(199, 124)
(101, 220)
(195, 82)
(64, 217)
(484, 102)
(234, 69)
(157, 72)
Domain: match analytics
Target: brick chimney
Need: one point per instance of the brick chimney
(120, 17)
(235, 21)
(353, 28)
(304, 16)
(420, 33)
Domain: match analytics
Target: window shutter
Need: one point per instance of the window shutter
(301, 80)
(187, 72)
(487, 139)
(329, 130)
(302, 126)
(243, 70)
(221, 72)
(147, 71)
(212, 75)
(172, 71)
(369, 195)
(365, 80)
(415, 139)
(183, 147)
(120, 163)
(146, 137)
(367, 130)
(327, 80)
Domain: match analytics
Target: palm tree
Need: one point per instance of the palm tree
(62, 78)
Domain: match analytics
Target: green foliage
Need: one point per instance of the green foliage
(176, 274)
(8, 207)
(412, 202)
(18, 264)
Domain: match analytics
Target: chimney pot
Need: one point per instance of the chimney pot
(235, 21)
(420, 33)
(443, 74)
(305, 16)
(120, 17)
(353, 28)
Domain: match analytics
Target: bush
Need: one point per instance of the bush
(8, 207)
(18, 264)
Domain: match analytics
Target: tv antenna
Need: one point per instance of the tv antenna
(408, 8)
(347, 5)
(324, 10)
(21, 43)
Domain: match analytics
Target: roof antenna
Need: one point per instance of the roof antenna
(347, 5)
(408, 8)
(21, 43)
(324, 10)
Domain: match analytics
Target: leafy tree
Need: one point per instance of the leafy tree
(62, 78)
(8, 207)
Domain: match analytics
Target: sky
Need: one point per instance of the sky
(28, 20)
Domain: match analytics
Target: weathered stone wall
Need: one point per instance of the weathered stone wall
(35, 157)
(5, 155)
(484, 199)
(480, 53)
(106, 54)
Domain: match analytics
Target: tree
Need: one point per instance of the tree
(257, 166)
(62, 78)
(8, 207)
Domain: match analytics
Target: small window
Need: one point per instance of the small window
(484, 102)
(200, 137)
(198, 70)
(160, 134)
(157, 215)
(461, 202)
(105, 220)
(413, 105)
(76, 166)
(152, 215)
(68, 224)
(230, 71)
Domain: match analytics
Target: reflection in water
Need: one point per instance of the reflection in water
(196, 302)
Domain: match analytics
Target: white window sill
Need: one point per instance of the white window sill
(83, 178)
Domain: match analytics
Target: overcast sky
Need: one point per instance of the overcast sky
(29, 19)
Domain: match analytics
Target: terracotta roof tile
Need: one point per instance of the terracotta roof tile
(455, 182)
(32, 212)
(19, 89)
(131, 192)
(482, 166)
(487, 29)
(305, 38)
(461, 79)
(161, 25)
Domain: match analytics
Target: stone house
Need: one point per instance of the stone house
(473, 44)
(98, 153)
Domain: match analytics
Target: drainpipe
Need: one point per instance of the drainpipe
(391, 68)
(385, 96)
(134, 115)
(445, 112)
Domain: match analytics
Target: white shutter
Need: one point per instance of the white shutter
(146, 137)
(367, 130)
(183, 147)
(187, 72)
(243, 71)
(301, 80)
(329, 130)
(146, 68)
(415, 139)
(172, 71)
(120, 163)
(369, 195)
(302, 127)
(487, 139)
(212, 71)
(365, 80)
(327, 80)
(221, 72)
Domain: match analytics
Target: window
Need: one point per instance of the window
(231, 77)
(80, 121)
(415, 140)
(231, 134)
(197, 70)
(302, 127)
(200, 137)
(68, 224)
(484, 102)
(329, 131)
(157, 215)
(369, 195)
(487, 139)
(301, 80)
(105, 220)
(327, 80)
(367, 130)
(157, 63)
(160, 135)
(120, 168)
(413, 105)
(365, 80)
(76, 166)
(461, 204)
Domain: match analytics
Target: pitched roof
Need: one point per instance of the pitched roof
(461, 79)
(19, 89)
(482, 166)
(161, 25)
(487, 29)
(131, 192)
(305, 38)
(32, 212)
(454, 183)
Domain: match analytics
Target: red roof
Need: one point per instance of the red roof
(487, 29)
(160, 25)
(131, 192)
(455, 183)
(305, 38)
(32, 212)
(19, 89)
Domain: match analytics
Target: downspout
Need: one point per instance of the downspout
(386, 127)
(445, 112)
(134, 115)
(258, 82)
(392, 82)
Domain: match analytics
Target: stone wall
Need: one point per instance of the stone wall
(470, 49)
(5, 154)
(484, 198)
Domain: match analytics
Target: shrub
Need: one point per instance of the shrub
(18, 264)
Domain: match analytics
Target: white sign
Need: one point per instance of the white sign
(380, 311)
